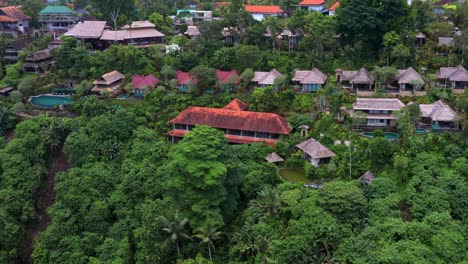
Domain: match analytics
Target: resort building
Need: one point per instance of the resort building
(260, 12)
(314, 152)
(409, 79)
(139, 33)
(439, 116)
(38, 62)
(185, 82)
(192, 32)
(13, 21)
(379, 111)
(454, 77)
(238, 125)
(144, 84)
(59, 18)
(355, 79)
(265, 79)
(110, 83)
(228, 80)
(332, 8)
(310, 81)
(13, 48)
(286, 36)
(88, 32)
(312, 5)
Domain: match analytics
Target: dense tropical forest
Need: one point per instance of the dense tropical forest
(101, 182)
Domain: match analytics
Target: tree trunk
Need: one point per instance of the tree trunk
(209, 252)
(178, 251)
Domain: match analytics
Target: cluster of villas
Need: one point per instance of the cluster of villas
(405, 83)
(241, 126)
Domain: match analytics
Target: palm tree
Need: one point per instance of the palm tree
(207, 235)
(267, 203)
(175, 230)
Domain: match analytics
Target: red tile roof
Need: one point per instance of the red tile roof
(233, 119)
(334, 6)
(183, 78)
(230, 138)
(312, 2)
(263, 9)
(12, 14)
(149, 80)
(228, 76)
(236, 104)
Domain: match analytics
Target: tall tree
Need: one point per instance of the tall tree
(198, 172)
(112, 9)
(207, 235)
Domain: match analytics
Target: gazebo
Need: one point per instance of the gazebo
(367, 178)
(274, 158)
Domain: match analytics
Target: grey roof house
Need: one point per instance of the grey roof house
(315, 152)
(310, 81)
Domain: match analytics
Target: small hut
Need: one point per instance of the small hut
(367, 178)
(274, 158)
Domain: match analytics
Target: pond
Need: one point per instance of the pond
(50, 101)
(295, 175)
(387, 135)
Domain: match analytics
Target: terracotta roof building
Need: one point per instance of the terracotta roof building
(264, 79)
(13, 21)
(237, 105)
(332, 8)
(439, 115)
(455, 77)
(315, 152)
(311, 81)
(312, 5)
(259, 12)
(361, 79)
(110, 82)
(379, 110)
(239, 126)
(142, 84)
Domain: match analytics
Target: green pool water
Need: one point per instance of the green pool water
(50, 101)
(387, 135)
(295, 175)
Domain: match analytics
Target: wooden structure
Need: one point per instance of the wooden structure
(110, 82)
(314, 152)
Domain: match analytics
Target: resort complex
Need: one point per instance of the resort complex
(183, 132)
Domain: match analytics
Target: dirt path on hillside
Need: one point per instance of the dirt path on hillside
(45, 198)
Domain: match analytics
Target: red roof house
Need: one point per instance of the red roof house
(332, 9)
(13, 21)
(259, 12)
(184, 80)
(312, 5)
(140, 83)
(228, 80)
(239, 126)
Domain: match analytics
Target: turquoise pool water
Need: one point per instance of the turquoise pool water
(421, 131)
(387, 135)
(50, 101)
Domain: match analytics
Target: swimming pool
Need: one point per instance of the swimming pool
(50, 101)
(421, 131)
(387, 135)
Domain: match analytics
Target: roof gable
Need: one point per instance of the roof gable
(378, 104)
(334, 6)
(408, 76)
(237, 104)
(112, 76)
(438, 111)
(312, 2)
(12, 14)
(184, 78)
(315, 76)
(231, 77)
(266, 78)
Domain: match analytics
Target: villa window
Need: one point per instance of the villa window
(234, 132)
(181, 126)
(263, 135)
(248, 133)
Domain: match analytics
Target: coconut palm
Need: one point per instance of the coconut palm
(207, 235)
(268, 203)
(175, 230)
